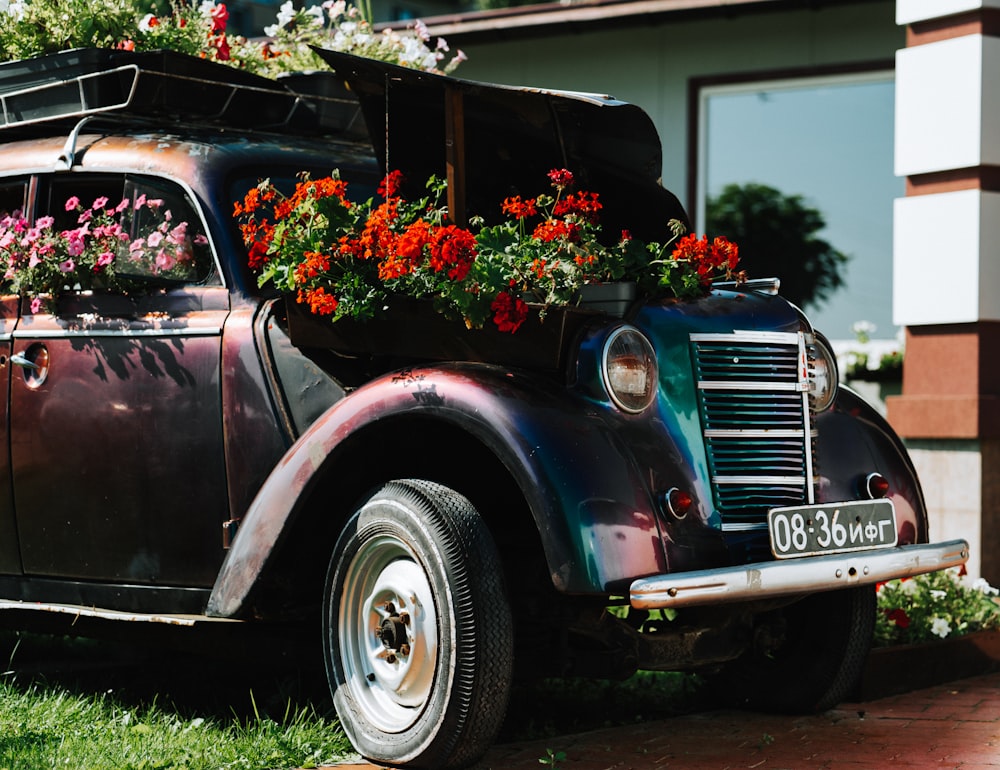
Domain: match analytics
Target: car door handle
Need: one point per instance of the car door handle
(19, 359)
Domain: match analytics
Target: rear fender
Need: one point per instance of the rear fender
(591, 506)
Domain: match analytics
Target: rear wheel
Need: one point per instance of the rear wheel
(417, 628)
(806, 657)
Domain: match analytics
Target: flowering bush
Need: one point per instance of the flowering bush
(934, 606)
(33, 27)
(345, 259)
(337, 26)
(862, 363)
(41, 261)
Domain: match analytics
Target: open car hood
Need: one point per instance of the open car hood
(493, 141)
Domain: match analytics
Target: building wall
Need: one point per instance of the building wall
(948, 148)
(651, 64)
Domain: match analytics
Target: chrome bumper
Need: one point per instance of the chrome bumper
(786, 577)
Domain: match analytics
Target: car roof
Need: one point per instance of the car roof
(186, 155)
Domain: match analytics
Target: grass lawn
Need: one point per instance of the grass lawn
(93, 705)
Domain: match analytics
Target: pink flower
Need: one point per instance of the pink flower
(44, 223)
(179, 234)
(105, 258)
(99, 203)
(122, 206)
(74, 244)
(36, 305)
(140, 202)
(165, 261)
(155, 239)
(67, 266)
(72, 203)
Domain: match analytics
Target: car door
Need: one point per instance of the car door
(13, 200)
(116, 446)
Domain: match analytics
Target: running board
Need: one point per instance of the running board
(80, 611)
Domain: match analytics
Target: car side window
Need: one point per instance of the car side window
(163, 239)
(13, 199)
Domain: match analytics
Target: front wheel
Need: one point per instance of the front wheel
(417, 628)
(806, 657)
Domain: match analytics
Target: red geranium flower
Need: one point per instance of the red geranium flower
(561, 178)
(509, 312)
(899, 617)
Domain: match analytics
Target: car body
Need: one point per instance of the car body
(177, 454)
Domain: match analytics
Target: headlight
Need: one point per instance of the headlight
(629, 369)
(822, 373)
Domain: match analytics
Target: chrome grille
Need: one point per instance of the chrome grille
(753, 398)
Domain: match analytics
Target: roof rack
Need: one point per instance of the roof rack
(168, 85)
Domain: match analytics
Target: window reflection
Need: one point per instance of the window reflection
(829, 140)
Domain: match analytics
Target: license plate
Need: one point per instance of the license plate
(831, 528)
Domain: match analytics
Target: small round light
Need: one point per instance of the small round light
(822, 373)
(877, 486)
(630, 370)
(678, 502)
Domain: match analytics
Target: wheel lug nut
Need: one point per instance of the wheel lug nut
(404, 649)
(371, 677)
(390, 658)
(404, 618)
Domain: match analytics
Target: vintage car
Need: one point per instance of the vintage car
(669, 485)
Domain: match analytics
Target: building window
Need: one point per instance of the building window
(828, 139)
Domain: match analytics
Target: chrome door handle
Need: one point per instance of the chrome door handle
(19, 359)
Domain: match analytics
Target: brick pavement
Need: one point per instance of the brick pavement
(955, 726)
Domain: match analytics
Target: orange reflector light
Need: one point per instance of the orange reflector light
(877, 486)
(678, 502)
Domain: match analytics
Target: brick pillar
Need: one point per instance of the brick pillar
(946, 262)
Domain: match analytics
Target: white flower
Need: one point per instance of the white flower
(316, 13)
(983, 586)
(937, 594)
(413, 50)
(940, 627)
(146, 21)
(285, 14)
(335, 8)
(863, 330)
(908, 587)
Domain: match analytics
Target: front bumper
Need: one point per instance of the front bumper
(788, 577)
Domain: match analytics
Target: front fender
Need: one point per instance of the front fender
(855, 440)
(592, 508)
